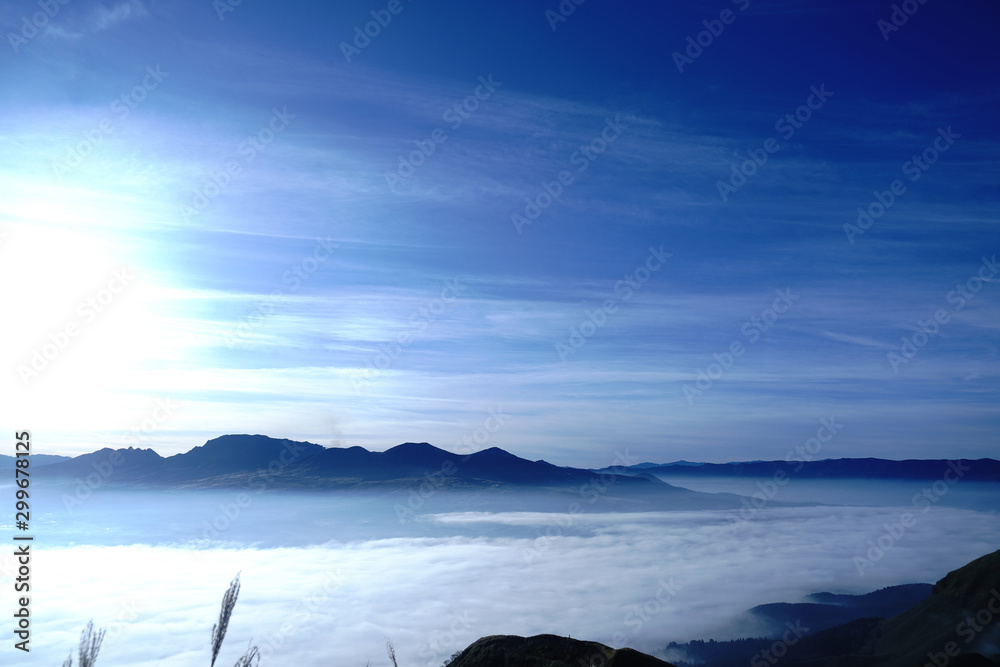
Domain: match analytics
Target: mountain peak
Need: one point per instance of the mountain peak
(416, 455)
(242, 439)
(129, 453)
(415, 447)
(242, 443)
(240, 453)
(495, 452)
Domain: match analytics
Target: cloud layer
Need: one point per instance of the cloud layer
(436, 585)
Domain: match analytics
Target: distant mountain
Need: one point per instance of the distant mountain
(819, 611)
(548, 651)
(7, 462)
(887, 601)
(253, 461)
(984, 470)
(826, 610)
(232, 459)
(120, 463)
(957, 625)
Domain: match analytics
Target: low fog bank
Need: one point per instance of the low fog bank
(74, 513)
(112, 516)
(639, 579)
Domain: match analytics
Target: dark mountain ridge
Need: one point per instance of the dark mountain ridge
(826, 610)
(236, 460)
(984, 470)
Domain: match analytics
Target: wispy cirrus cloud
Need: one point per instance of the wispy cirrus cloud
(324, 176)
(96, 19)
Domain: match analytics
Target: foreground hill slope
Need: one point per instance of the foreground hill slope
(958, 624)
(549, 651)
(961, 615)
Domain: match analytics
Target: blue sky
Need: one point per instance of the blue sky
(228, 189)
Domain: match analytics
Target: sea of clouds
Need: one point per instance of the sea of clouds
(326, 578)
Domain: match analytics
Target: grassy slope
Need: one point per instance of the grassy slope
(930, 625)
